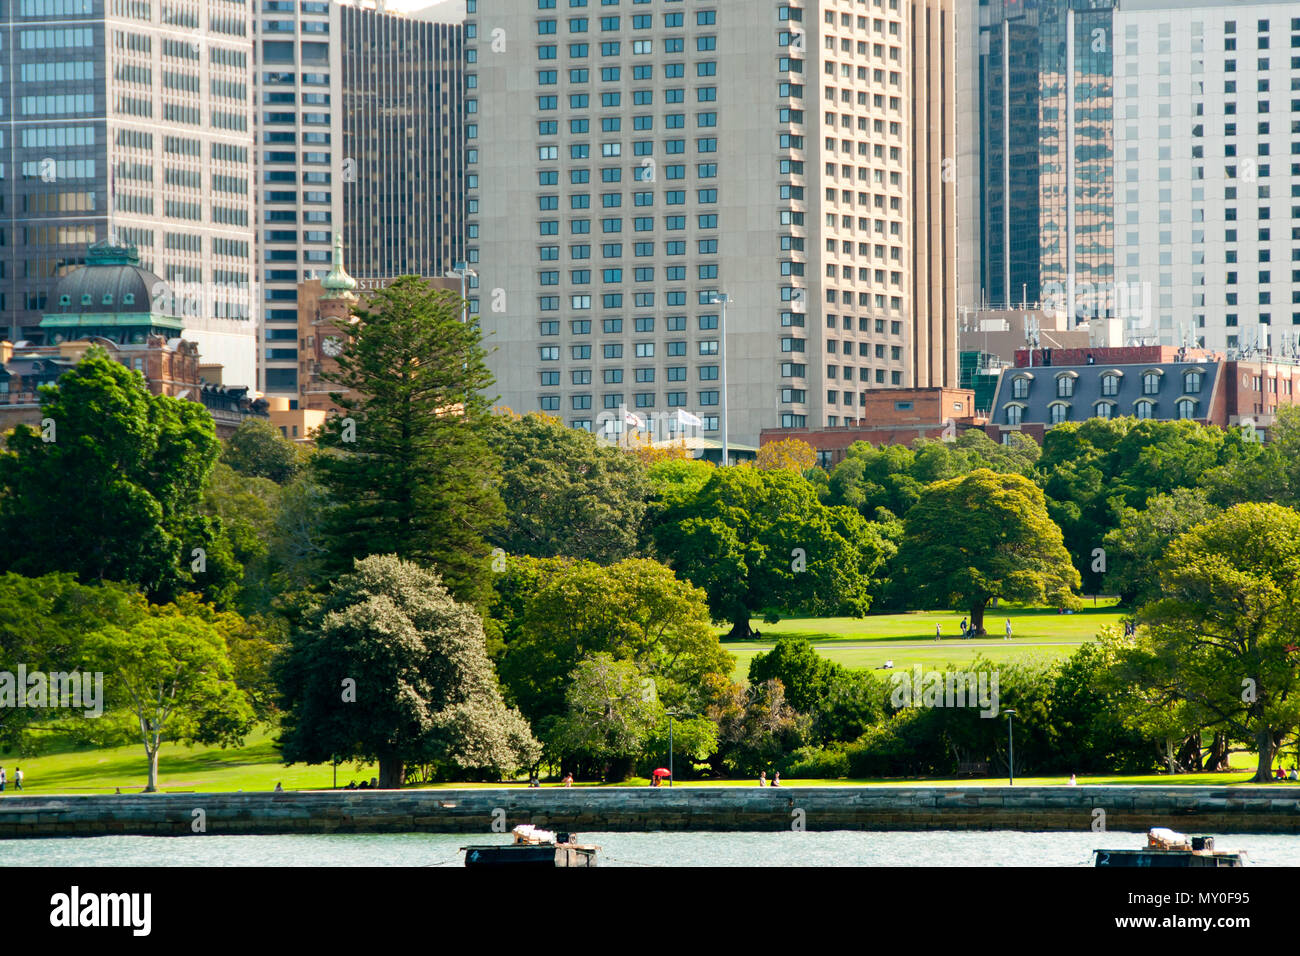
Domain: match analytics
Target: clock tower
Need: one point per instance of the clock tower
(330, 329)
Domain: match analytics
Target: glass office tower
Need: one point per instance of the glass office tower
(1047, 153)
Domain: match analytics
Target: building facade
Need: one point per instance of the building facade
(132, 121)
(1051, 387)
(1046, 100)
(630, 167)
(1207, 149)
(360, 131)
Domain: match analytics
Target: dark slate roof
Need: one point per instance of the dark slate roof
(113, 271)
(1088, 390)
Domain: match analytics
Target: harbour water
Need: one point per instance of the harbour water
(785, 848)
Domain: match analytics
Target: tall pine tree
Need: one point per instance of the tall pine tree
(408, 463)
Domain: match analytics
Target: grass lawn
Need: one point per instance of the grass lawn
(955, 655)
(908, 639)
(257, 767)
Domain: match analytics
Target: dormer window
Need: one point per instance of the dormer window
(1014, 414)
(1065, 384)
(108, 299)
(85, 299)
(65, 300)
(1192, 383)
(1104, 410)
(1151, 381)
(1020, 385)
(128, 298)
(1187, 408)
(1110, 384)
(1059, 411)
(1145, 410)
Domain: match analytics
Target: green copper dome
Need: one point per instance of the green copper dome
(338, 284)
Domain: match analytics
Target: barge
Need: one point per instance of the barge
(1166, 848)
(533, 847)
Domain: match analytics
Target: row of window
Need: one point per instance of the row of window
(640, 21)
(642, 400)
(641, 147)
(1110, 383)
(582, 227)
(578, 51)
(1059, 412)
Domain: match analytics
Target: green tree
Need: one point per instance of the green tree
(409, 465)
(841, 703)
(757, 726)
(113, 480)
(556, 613)
(566, 494)
(1091, 470)
(258, 450)
(392, 669)
(610, 716)
(167, 677)
(762, 541)
(1142, 539)
(1222, 634)
(43, 625)
(982, 536)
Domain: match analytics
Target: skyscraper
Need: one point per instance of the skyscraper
(1046, 97)
(360, 131)
(630, 165)
(131, 120)
(1207, 161)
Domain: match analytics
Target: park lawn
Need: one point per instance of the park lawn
(1028, 625)
(954, 655)
(255, 766)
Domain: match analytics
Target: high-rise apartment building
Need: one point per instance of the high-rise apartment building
(1046, 100)
(360, 130)
(631, 164)
(1207, 163)
(131, 120)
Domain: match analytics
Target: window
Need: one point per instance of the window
(1144, 409)
(1150, 383)
(1014, 414)
(1065, 386)
(1020, 387)
(1105, 410)
(1187, 408)
(1060, 411)
(1110, 384)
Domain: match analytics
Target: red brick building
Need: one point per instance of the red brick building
(891, 416)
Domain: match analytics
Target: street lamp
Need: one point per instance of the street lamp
(1011, 750)
(721, 298)
(462, 271)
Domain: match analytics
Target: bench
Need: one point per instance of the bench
(973, 768)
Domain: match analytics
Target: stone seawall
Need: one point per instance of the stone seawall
(1211, 810)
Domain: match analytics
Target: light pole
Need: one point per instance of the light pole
(1011, 750)
(722, 299)
(462, 271)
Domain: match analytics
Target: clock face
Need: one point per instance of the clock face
(332, 346)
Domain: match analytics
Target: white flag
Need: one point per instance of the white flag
(686, 418)
(632, 418)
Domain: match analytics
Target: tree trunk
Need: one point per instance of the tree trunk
(740, 627)
(1218, 757)
(153, 770)
(1189, 755)
(1264, 747)
(392, 773)
(977, 619)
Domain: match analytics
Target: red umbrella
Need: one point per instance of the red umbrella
(661, 772)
